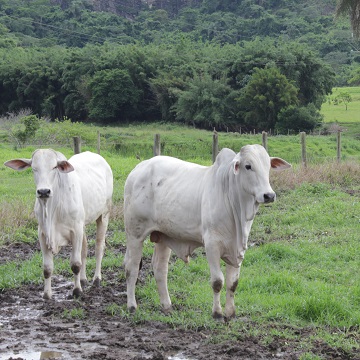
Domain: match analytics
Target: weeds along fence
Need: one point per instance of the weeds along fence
(297, 149)
(158, 146)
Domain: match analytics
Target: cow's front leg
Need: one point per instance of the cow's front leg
(217, 279)
(232, 279)
(160, 263)
(75, 258)
(48, 266)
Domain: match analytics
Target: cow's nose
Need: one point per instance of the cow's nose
(43, 193)
(269, 197)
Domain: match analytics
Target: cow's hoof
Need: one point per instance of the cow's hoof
(77, 293)
(96, 282)
(132, 309)
(229, 317)
(84, 282)
(217, 316)
(167, 311)
(46, 296)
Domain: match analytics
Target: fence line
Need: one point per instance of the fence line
(304, 158)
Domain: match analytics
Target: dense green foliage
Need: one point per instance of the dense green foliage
(186, 61)
(204, 84)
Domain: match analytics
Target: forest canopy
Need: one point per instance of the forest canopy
(210, 63)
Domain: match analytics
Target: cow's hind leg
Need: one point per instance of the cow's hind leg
(160, 263)
(232, 278)
(83, 278)
(48, 266)
(102, 224)
(132, 262)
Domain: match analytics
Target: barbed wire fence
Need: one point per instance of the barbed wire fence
(181, 149)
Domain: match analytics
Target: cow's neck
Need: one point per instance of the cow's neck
(48, 210)
(243, 208)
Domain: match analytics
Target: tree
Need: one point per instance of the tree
(204, 102)
(113, 96)
(350, 8)
(343, 97)
(265, 95)
(355, 77)
(298, 118)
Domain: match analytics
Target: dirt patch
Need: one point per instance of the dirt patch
(32, 328)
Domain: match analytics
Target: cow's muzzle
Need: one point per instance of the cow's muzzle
(269, 197)
(43, 193)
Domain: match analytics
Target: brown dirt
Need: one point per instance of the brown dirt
(32, 328)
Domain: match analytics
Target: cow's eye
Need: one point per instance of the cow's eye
(248, 167)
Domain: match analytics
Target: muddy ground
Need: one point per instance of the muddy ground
(32, 328)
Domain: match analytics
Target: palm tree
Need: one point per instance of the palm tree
(351, 8)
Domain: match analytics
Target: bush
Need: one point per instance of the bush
(304, 118)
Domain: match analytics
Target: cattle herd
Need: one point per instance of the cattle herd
(180, 205)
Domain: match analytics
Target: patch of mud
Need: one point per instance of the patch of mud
(17, 251)
(32, 328)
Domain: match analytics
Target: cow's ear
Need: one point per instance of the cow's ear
(64, 166)
(18, 164)
(236, 164)
(279, 164)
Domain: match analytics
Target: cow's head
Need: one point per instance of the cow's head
(46, 165)
(252, 165)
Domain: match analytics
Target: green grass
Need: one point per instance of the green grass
(77, 313)
(300, 271)
(338, 113)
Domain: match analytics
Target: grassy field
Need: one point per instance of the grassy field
(301, 270)
(338, 112)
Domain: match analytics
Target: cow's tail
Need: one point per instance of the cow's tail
(140, 267)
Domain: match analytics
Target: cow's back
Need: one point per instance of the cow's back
(96, 182)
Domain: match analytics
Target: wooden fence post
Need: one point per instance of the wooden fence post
(215, 146)
(98, 142)
(157, 148)
(338, 154)
(77, 144)
(264, 140)
(303, 148)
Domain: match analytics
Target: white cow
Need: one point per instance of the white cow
(183, 206)
(69, 195)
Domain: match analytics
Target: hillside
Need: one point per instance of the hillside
(246, 65)
(76, 23)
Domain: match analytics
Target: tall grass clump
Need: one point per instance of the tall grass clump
(338, 174)
(324, 309)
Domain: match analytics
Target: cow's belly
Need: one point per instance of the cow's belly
(183, 248)
(184, 229)
(62, 239)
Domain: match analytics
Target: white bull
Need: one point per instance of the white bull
(69, 195)
(183, 206)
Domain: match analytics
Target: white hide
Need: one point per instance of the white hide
(69, 195)
(182, 206)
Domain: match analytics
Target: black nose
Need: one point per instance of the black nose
(269, 197)
(43, 193)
